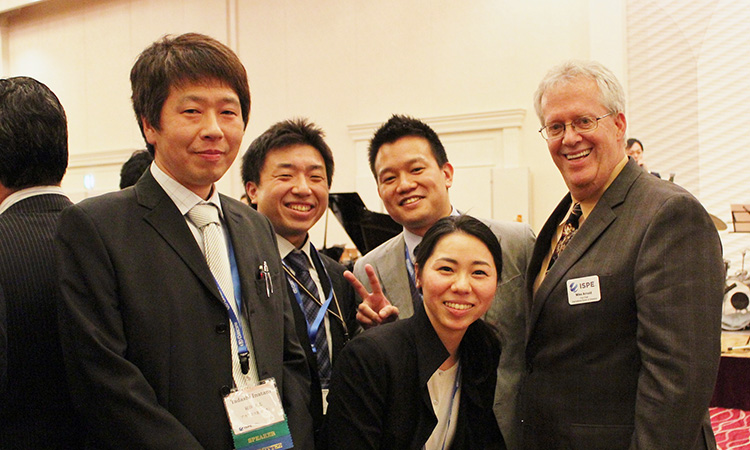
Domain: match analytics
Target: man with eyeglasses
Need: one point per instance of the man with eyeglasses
(626, 287)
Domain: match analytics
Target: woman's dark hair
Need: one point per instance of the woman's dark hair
(459, 224)
(632, 141)
(480, 347)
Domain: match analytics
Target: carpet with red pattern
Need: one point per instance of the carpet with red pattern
(731, 427)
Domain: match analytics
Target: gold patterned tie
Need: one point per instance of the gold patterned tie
(569, 229)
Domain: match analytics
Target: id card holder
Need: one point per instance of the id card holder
(257, 418)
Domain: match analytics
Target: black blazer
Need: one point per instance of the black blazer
(379, 397)
(35, 406)
(345, 307)
(145, 333)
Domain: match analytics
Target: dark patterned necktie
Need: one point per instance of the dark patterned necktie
(416, 295)
(297, 261)
(569, 229)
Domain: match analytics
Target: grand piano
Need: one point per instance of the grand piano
(367, 229)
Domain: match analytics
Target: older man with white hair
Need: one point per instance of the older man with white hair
(626, 286)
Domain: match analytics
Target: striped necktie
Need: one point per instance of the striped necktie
(311, 303)
(205, 216)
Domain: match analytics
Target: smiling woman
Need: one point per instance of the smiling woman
(427, 381)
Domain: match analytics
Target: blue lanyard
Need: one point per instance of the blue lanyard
(242, 350)
(312, 328)
(410, 269)
(456, 385)
(244, 354)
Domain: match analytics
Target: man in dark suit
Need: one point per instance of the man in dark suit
(154, 331)
(35, 406)
(414, 176)
(288, 171)
(623, 333)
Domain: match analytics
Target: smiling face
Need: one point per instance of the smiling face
(292, 192)
(585, 161)
(414, 189)
(199, 135)
(458, 284)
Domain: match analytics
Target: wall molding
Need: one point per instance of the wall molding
(455, 123)
(485, 151)
(99, 159)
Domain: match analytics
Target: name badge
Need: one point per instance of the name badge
(584, 290)
(257, 418)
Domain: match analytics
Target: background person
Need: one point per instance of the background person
(634, 148)
(134, 167)
(427, 381)
(35, 406)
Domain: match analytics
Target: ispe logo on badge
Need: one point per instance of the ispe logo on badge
(584, 290)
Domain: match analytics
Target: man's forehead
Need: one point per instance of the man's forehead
(578, 92)
(403, 161)
(199, 90)
(295, 157)
(411, 148)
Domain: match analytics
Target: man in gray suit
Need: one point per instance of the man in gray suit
(413, 175)
(155, 332)
(35, 406)
(627, 280)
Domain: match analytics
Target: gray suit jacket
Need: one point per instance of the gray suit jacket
(635, 369)
(145, 332)
(506, 314)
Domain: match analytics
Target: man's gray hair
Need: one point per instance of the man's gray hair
(612, 94)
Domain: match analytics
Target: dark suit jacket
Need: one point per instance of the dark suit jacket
(345, 307)
(35, 406)
(637, 368)
(146, 336)
(3, 343)
(379, 397)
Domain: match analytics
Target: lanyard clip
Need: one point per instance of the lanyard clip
(245, 362)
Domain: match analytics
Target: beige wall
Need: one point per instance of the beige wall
(340, 63)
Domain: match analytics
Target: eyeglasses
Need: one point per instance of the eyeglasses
(581, 125)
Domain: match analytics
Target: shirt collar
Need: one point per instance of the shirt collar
(23, 194)
(412, 240)
(286, 247)
(183, 197)
(588, 205)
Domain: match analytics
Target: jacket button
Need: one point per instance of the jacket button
(221, 328)
(224, 391)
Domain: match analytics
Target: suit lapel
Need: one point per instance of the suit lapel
(394, 274)
(166, 219)
(596, 223)
(245, 252)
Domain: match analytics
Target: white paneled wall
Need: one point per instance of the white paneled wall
(689, 100)
(338, 63)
